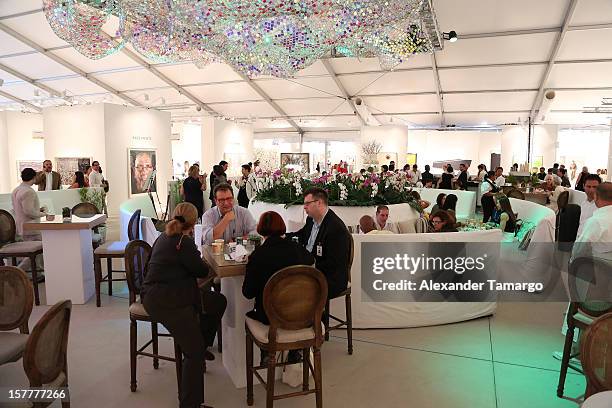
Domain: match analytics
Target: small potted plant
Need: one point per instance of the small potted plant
(66, 214)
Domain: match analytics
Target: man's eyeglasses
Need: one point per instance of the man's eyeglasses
(436, 222)
(221, 200)
(310, 202)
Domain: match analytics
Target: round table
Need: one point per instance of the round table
(599, 400)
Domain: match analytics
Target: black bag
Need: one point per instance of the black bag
(567, 227)
(105, 185)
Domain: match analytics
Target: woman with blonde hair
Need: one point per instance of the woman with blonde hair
(171, 296)
(193, 187)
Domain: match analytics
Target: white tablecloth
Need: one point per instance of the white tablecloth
(412, 314)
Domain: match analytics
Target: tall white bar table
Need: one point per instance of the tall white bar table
(68, 256)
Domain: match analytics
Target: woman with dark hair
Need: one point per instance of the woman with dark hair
(422, 203)
(247, 186)
(273, 255)
(170, 295)
(450, 203)
(443, 221)
(439, 203)
(446, 181)
(504, 216)
(216, 177)
(193, 186)
(79, 180)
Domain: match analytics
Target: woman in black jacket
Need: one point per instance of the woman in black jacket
(171, 296)
(446, 181)
(193, 187)
(273, 255)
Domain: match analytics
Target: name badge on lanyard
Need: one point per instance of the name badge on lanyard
(319, 250)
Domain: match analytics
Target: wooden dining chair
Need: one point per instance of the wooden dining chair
(294, 298)
(137, 255)
(45, 357)
(10, 249)
(581, 315)
(16, 300)
(113, 250)
(596, 352)
(348, 322)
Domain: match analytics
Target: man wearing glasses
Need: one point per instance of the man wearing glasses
(95, 178)
(327, 238)
(226, 221)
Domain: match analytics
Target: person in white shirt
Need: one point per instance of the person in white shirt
(596, 236)
(414, 175)
(500, 180)
(367, 225)
(382, 215)
(587, 207)
(95, 178)
(26, 206)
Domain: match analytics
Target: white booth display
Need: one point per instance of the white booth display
(402, 214)
(68, 256)
(54, 200)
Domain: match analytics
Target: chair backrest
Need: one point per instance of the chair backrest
(7, 227)
(294, 298)
(596, 355)
(568, 223)
(134, 226)
(44, 358)
(16, 299)
(136, 257)
(351, 256)
(85, 210)
(562, 200)
(589, 283)
(516, 193)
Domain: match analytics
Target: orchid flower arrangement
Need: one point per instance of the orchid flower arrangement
(287, 187)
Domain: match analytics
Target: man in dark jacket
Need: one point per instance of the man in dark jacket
(463, 177)
(327, 238)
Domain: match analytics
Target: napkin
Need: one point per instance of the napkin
(240, 254)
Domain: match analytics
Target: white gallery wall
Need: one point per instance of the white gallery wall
(188, 148)
(433, 145)
(105, 132)
(18, 142)
(226, 140)
(394, 139)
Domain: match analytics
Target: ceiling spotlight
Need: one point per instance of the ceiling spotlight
(163, 101)
(146, 97)
(1, 81)
(450, 36)
(37, 92)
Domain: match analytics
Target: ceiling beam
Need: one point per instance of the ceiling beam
(332, 73)
(273, 104)
(66, 64)
(52, 92)
(21, 101)
(155, 71)
(537, 102)
(439, 94)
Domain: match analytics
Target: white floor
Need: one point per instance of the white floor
(502, 361)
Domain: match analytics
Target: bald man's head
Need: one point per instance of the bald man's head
(604, 195)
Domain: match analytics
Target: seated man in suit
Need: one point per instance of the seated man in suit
(327, 238)
(48, 179)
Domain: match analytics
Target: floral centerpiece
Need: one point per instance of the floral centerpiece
(356, 190)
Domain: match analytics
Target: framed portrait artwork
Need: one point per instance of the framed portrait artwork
(142, 164)
(24, 164)
(67, 166)
(295, 161)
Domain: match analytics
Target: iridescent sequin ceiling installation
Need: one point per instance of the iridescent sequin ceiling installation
(256, 37)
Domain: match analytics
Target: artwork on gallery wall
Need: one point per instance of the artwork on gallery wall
(386, 158)
(235, 162)
(24, 164)
(67, 166)
(411, 158)
(295, 161)
(142, 164)
(538, 162)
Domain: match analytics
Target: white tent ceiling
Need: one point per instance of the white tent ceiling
(509, 53)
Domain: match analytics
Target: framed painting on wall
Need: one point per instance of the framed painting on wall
(411, 158)
(235, 162)
(24, 164)
(538, 161)
(295, 161)
(66, 166)
(142, 165)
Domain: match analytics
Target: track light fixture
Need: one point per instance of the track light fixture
(450, 36)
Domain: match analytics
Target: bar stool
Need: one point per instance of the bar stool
(113, 250)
